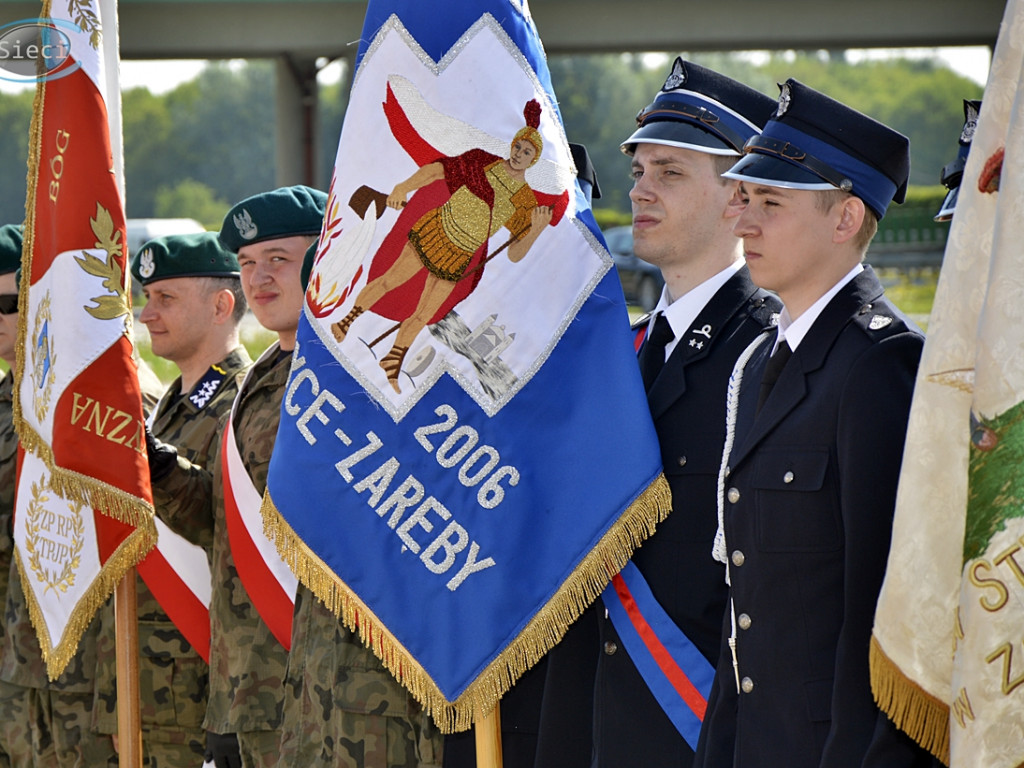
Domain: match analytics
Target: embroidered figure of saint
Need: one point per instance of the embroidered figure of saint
(434, 256)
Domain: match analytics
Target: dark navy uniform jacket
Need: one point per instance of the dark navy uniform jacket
(809, 500)
(687, 402)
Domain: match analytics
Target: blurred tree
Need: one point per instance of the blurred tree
(15, 117)
(921, 98)
(333, 101)
(149, 149)
(190, 199)
(218, 129)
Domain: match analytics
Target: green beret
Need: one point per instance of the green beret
(307, 263)
(194, 255)
(10, 247)
(283, 212)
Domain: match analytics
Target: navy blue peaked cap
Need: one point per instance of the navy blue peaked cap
(699, 109)
(815, 142)
(953, 171)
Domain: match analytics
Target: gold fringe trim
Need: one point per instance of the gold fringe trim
(74, 486)
(57, 656)
(916, 712)
(109, 500)
(35, 148)
(546, 629)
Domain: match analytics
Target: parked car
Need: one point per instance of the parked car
(641, 282)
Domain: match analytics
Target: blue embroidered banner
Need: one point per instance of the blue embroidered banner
(465, 454)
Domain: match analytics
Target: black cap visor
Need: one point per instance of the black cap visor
(676, 133)
(775, 172)
(948, 205)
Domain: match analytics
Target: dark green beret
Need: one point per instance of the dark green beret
(197, 254)
(283, 212)
(10, 247)
(307, 263)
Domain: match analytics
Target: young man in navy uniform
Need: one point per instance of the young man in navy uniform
(708, 312)
(810, 472)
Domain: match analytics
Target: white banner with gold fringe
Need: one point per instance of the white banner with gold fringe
(84, 512)
(946, 657)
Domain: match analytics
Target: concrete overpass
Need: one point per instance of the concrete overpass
(304, 35)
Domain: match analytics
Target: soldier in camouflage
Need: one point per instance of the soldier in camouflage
(270, 233)
(342, 708)
(193, 310)
(10, 258)
(42, 722)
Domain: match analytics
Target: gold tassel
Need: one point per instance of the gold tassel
(916, 712)
(545, 630)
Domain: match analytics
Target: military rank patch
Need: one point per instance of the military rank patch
(207, 387)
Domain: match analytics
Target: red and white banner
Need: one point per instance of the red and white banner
(84, 513)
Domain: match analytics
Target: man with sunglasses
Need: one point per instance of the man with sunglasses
(817, 413)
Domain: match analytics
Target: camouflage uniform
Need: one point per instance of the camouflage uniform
(44, 723)
(342, 708)
(11, 732)
(246, 661)
(56, 717)
(173, 678)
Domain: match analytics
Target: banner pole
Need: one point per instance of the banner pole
(129, 718)
(488, 740)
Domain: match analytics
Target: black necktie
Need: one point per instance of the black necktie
(652, 355)
(771, 371)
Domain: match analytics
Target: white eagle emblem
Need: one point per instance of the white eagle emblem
(967, 136)
(676, 77)
(246, 227)
(878, 322)
(785, 97)
(147, 266)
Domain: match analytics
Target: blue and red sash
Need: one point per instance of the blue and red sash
(675, 671)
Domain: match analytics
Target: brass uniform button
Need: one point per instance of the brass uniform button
(747, 684)
(733, 495)
(610, 648)
(682, 461)
(738, 558)
(744, 621)
(787, 478)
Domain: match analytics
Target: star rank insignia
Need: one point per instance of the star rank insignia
(705, 331)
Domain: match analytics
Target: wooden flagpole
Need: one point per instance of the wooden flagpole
(129, 717)
(488, 740)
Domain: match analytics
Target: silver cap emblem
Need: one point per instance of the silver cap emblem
(246, 227)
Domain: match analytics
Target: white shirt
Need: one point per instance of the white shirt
(793, 331)
(683, 311)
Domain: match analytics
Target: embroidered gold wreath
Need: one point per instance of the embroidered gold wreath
(42, 376)
(86, 19)
(33, 528)
(115, 304)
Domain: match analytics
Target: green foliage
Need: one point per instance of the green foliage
(15, 117)
(190, 199)
(218, 130)
(609, 217)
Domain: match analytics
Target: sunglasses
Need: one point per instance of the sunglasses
(8, 303)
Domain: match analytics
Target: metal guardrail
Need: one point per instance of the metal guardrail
(909, 238)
